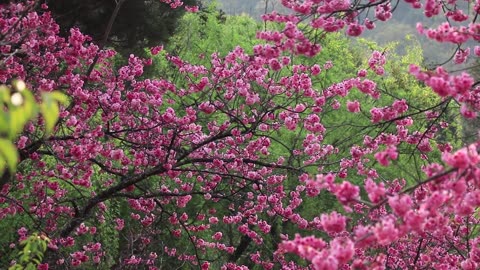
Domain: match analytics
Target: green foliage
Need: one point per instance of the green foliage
(20, 107)
(50, 109)
(8, 155)
(201, 35)
(346, 59)
(31, 255)
(395, 84)
(209, 31)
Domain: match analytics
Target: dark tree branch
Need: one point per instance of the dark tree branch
(104, 40)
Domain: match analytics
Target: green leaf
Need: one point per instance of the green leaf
(59, 97)
(4, 126)
(4, 94)
(30, 106)
(17, 120)
(24, 258)
(9, 153)
(24, 242)
(2, 164)
(50, 112)
(43, 245)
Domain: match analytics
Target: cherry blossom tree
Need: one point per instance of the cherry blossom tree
(213, 167)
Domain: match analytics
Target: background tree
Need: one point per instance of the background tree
(137, 25)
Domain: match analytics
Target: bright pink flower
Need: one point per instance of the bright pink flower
(386, 232)
(43, 266)
(325, 263)
(362, 73)
(217, 236)
(191, 8)
(461, 56)
(467, 113)
(400, 204)
(155, 50)
(376, 192)
(346, 192)
(22, 141)
(342, 249)
(333, 222)
(335, 104)
(415, 220)
(385, 156)
(315, 69)
(354, 30)
(120, 224)
(353, 106)
(459, 159)
(376, 114)
(275, 64)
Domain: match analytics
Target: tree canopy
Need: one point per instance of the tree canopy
(137, 24)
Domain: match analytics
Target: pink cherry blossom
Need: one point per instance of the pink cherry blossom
(353, 106)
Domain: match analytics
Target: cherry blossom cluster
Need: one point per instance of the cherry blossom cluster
(415, 215)
(447, 85)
